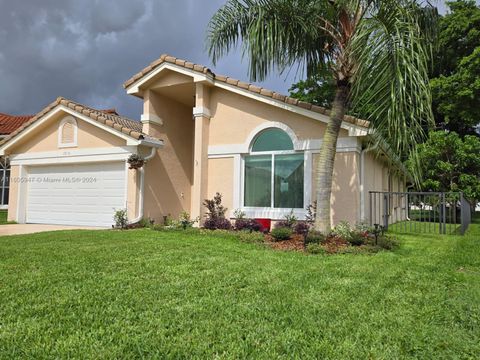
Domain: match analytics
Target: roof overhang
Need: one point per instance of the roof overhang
(130, 141)
(137, 87)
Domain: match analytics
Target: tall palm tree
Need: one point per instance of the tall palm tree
(377, 50)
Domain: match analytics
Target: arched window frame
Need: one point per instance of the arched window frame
(271, 210)
(67, 120)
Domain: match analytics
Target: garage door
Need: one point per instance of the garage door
(83, 194)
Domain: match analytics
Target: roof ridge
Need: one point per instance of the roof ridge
(166, 58)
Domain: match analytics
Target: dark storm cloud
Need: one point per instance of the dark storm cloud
(85, 50)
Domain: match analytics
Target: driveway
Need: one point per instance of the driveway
(17, 229)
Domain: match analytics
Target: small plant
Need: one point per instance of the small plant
(281, 233)
(343, 230)
(216, 214)
(146, 222)
(239, 214)
(251, 225)
(311, 213)
(135, 161)
(120, 218)
(302, 228)
(185, 221)
(315, 237)
(289, 221)
(387, 242)
(358, 238)
(315, 249)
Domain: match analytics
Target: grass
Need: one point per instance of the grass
(3, 217)
(133, 294)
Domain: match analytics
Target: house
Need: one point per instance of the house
(200, 133)
(8, 124)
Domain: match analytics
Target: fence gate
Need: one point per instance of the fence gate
(426, 212)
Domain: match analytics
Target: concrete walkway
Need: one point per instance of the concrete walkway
(18, 229)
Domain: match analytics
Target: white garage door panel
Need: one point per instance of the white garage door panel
(63, 194)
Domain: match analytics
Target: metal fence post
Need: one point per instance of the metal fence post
(385, 211)
(444, 215)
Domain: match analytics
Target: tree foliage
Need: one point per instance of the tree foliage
(450, 163)
(456, 72)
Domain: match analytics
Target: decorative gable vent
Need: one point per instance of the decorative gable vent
(67, 132)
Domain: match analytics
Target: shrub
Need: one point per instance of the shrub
(247, 224)
(302, 228)
(315, 249)
(387, 242)
(343, 230)
(315, 237)
(216, 214)
(146, 222)
(358, 238)
(184, 220)
(120, 218)
(281, 233)
(250, 237)
(218, 223)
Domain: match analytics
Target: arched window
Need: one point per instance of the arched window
(67, 132)
(274, 172)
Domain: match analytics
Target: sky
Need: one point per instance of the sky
(85, 50)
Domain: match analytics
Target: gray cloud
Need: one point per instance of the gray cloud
(85, 50)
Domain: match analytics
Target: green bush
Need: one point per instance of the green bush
(343, 230)
(120, 218)
(281, 233)
(387, 242)
(357, 238)
(315, 249)
(315, 237)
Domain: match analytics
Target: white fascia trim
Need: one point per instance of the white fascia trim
(59, 108)
(353, 130)
(346, 144)
(74, 156)
(197, 77)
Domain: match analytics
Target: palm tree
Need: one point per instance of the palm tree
(377, 50)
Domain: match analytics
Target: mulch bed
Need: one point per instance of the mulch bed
(295, 243)
(332, 245)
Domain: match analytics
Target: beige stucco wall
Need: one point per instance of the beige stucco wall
(168, 175)
(220, 179)
(45, 138)
(13, 194)
(345, 187)
(234, 117)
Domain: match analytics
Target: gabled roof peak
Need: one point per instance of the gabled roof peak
(168, 59)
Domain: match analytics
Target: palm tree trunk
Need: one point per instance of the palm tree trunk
(326, 159)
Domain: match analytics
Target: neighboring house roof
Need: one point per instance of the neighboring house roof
(109, 118)
(10, 123)
(243, 85)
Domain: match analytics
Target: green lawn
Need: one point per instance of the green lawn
(3, 217)
(105, 294)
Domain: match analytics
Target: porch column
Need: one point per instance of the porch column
(201, 116)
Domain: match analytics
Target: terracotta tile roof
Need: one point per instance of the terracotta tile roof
(243, 85)
(107, 117)
(10, 123)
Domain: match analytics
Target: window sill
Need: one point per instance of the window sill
(271, 213)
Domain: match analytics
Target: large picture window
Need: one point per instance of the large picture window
(274, 172)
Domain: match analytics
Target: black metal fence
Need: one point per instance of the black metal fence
(420, 212)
